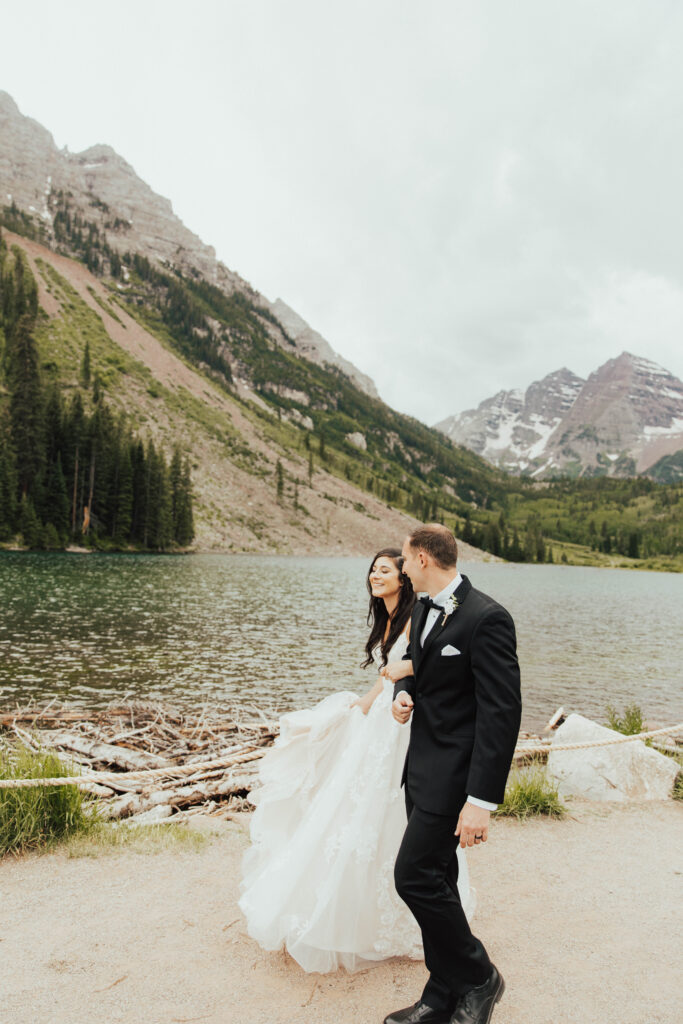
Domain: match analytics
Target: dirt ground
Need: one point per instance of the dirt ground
(581, 916)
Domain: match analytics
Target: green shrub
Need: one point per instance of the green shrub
(38, 816)
(530, 792)
(630, 724)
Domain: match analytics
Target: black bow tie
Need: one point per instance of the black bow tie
(428, 603)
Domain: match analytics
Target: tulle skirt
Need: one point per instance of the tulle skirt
(329, 819)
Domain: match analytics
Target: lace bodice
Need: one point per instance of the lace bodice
(395, 653)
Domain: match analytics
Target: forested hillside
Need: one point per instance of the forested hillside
(291, 425)
(71, 471)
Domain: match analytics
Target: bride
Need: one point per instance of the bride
(329, 819)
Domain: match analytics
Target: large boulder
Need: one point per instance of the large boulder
(621, 771)
(358, 441)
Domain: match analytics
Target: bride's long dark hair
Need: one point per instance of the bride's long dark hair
(377, 612)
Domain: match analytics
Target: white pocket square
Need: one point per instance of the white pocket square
(449, 650)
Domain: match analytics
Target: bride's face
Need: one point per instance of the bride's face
(385, 579)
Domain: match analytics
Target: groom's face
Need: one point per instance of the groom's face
(413, 565)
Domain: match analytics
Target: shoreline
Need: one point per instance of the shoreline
(471, 557)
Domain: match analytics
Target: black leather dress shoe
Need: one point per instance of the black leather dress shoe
(418, 1013)
(477, 1005)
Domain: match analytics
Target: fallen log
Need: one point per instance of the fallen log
(96, 790)
(179, 798)
(105, 753)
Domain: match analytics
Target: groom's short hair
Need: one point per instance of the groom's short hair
(438, 542)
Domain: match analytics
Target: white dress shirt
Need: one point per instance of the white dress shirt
(432, 615)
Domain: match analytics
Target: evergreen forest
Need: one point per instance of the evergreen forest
(71, 471)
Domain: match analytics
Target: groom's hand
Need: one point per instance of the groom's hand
(473, 824)
(402, 708)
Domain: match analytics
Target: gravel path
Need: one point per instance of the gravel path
(581, 916)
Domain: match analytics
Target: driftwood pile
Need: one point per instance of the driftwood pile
(131, 737)
(134, 736)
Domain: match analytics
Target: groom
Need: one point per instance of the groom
(464, 697)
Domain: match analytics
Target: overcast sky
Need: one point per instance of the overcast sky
(461, 197)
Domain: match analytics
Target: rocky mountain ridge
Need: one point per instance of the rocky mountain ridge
(40, 179)
(625, 417)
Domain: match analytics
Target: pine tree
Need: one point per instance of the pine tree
(53, 424)
(515, 553)
(26, 404)
(175, 476)
(159, 518)
(279, 475)
(310, 469)
(74, 437)
(540, 546)
(165, 516)
(85, 365)
(633, 544)
(492, 540)
(8, 490)
(184, 528)
(56, 503)
(50, 539)
(29, 524)
(123, 514)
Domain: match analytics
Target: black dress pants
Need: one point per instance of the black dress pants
(426, 876)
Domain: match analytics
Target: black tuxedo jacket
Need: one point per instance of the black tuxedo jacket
(468, 705)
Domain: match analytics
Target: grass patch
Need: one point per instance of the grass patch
(630, 723)
(105, 306)
(40, 816)
(677, 792)
(531, 792)
(110, 837)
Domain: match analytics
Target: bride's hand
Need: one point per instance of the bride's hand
(363, 703)
(397, 670)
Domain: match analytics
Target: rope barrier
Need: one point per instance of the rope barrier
(241, 756)
(542, 748)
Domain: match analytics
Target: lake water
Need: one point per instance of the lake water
(284, 632)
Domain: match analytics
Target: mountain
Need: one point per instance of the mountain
(622, 420)
(313, 346)
(512, 428)
(105, 191)
(290, 448)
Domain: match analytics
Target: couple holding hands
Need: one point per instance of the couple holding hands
(340, 872)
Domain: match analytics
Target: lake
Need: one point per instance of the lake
(283, 631)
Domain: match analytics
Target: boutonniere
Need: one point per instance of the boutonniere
(451, 606)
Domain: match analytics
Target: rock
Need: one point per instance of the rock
(620, 772)
(294, 416)
(358, 441)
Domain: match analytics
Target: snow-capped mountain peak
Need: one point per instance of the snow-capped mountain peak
(621, 420)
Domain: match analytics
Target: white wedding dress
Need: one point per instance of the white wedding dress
(330, 814)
